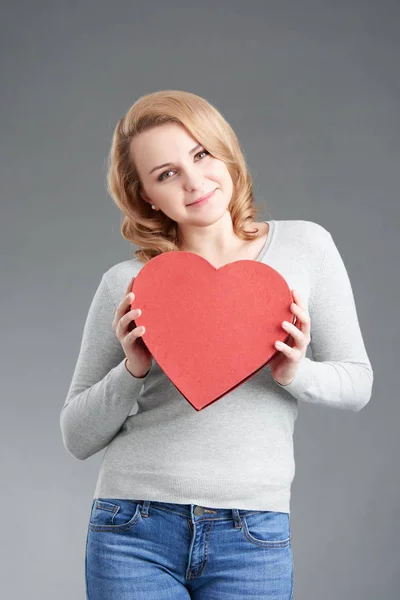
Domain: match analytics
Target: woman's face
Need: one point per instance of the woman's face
(191, 174)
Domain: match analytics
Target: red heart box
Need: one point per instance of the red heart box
(210, 329)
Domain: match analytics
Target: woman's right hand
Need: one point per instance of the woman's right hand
(137, 353)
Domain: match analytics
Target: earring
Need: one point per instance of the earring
(153, 207)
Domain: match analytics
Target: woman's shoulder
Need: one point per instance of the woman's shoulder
(131, 265)
(302, 238)
(301, 227)
(118, 276)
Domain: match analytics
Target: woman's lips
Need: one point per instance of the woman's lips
(200, 202)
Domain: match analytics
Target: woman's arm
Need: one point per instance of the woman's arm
(102, 391)
(340, 374)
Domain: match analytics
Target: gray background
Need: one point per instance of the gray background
(312, 90)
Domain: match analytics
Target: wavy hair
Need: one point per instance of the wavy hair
(154, 232)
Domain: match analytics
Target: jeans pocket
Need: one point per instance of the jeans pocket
(111, 514)
(267, 529)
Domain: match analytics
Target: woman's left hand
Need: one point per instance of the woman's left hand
(285, 363)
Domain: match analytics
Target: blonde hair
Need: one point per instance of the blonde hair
(153, 231)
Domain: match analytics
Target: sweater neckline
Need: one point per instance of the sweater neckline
(268, 241)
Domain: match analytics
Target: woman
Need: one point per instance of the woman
(196, 504)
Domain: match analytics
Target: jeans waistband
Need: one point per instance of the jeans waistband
(197, 512)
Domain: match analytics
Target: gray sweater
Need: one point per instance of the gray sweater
(238, 451)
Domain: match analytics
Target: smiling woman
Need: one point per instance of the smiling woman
(186, 136)
(217, 480)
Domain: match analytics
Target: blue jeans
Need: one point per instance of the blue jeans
(147, 550)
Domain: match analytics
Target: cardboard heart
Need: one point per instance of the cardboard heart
(210, 329)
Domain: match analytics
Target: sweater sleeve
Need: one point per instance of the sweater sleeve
(102, 391)
(340, 374)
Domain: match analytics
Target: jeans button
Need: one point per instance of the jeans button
(198, 511)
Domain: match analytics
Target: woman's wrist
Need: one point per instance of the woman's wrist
(132, 372)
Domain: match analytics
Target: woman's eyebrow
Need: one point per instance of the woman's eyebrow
(168, 164)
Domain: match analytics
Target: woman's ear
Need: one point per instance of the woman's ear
(144, 197)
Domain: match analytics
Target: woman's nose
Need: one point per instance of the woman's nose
(192, 183)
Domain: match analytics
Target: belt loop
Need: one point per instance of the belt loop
(144, 511)
(236, 518)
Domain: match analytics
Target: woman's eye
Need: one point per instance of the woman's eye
(162, 175)
(202, 152)
(162, 178)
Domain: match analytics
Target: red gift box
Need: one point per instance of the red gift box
(210, 329)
